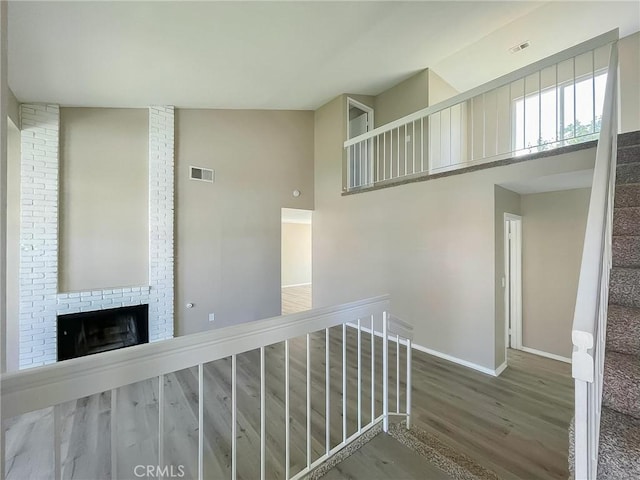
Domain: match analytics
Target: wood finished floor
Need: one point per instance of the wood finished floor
(296, 299)
(515, 425)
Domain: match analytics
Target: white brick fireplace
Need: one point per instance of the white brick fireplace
(40, 300)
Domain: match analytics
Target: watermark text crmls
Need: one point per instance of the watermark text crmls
(157, 471)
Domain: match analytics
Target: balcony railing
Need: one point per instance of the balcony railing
(551, 103)
(350, 345)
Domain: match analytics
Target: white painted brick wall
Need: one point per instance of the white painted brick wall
(101, 299)
(38, 234)
(40, 302)
(161, 192)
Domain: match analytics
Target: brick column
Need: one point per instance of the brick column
(38, 234)
(161, 192)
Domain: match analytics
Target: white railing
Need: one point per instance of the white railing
(551, 103)
(590, 317)
(38, 389)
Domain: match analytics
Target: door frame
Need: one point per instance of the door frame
(513, 280)
(365, 108)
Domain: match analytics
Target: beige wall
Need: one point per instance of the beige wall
(431, 245)
(553, 226)
(228, 233)
(506, 201)
(404, 98)
(629, 54)
(439, 89)
(103, 198)
(296, 253)
(13, 244)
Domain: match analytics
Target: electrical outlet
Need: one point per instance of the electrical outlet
(212, 317)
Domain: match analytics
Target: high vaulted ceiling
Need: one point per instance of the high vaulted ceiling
(279, 55)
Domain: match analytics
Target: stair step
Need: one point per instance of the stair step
(629, 154)
(628, 173)
(626, 221)
(624, 287)
(623, 330)
(619, 451)
(626, 251)
(629, 139)
(627, 196)
(621, 390)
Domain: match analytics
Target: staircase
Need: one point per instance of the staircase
(619, 453)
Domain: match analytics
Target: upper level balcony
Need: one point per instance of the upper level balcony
(553, 103)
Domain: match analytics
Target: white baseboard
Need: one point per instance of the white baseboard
(296, 285)
(444, 356)
(500, 369)
(552, 356)
(459, 361)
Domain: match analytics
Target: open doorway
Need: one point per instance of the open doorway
(513, 280)
(360, 159)
(296, 260)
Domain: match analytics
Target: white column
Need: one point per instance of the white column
(38, 234)
(161, 191)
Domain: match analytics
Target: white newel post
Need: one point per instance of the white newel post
(161, 188)
(4, 88)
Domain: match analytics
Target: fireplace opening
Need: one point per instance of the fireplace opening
(86, 333)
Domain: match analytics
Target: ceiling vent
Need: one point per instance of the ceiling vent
(202, 174)
(520, 46)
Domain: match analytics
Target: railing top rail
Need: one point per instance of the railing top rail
(41, 387)
(571, 52)
(588, 294)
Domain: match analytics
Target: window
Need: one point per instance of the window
(557, 116)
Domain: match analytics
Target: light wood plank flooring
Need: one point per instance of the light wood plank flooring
(515, 425)
(296, 299)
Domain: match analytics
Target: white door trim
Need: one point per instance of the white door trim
(513, 280)
(364, 108)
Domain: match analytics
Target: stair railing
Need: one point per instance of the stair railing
(40, 389)
(590, 316)
(526, 111)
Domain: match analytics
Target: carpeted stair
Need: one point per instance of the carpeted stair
(619, 454)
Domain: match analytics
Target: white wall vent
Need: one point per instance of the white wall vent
(202, 174)
(520, 46)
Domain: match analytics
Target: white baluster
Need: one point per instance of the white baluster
(408, 383)
(385, 374)
(200, 421)
(287, 420)
(263, 415)
(344, 382)
(327, 389)
(234, 418)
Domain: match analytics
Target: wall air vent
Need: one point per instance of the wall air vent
(202, 174)
(520, 46)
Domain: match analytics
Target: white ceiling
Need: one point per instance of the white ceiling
(552, 183)
(278, 55)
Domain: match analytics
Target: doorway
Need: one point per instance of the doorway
(295, 272)
(360, 161)
(513, 280)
